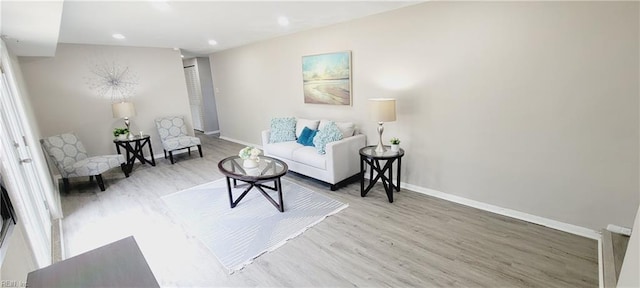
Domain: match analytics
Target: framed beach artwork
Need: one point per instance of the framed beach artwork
(327, 78)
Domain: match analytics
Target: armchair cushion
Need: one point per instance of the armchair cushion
(71, 159)
(94, 165)
(176, 143)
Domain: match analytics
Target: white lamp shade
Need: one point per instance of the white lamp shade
(383, 109)
(123, 109)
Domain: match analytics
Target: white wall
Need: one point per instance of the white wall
(63, 101)
(531, 106)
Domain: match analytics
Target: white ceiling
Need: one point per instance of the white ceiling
(30, 28)
(188, 25)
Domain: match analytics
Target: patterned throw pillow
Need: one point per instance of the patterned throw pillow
(283, 129)
(329, 133)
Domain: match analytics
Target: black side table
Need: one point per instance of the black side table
(369, 157)
(134, 146)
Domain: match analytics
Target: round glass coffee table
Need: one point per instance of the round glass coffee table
(268, 170)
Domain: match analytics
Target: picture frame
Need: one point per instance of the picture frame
(326, 78)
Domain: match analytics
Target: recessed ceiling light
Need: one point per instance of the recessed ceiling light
(181, 56)
(283, 21)
(118, 36)
(213, 42)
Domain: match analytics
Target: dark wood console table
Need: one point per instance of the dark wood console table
(119, 264)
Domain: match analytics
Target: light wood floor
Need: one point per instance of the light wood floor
(417, 241)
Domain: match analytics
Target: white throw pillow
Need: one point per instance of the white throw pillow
(347, 128)
(311, 124)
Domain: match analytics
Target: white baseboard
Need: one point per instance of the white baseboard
(619, 229)
(240, 142)
(554, 224)
(212, 132)
(566, 227)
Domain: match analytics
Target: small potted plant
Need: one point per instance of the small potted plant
(120, 133)
(395, 144)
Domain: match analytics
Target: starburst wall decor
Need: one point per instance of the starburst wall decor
(112, 81)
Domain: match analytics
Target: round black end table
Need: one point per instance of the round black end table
(370, 158)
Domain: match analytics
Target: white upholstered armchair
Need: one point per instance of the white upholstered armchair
(173, 134)
(72, 160)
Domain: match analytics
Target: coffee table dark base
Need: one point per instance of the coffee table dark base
(260, 187)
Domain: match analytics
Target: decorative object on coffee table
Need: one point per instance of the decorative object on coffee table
(250, 156)
(382, 110)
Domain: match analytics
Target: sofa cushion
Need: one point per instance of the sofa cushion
(306, 137)
(283, 149)
(326, 134)
(283, 129)
(347, 128)
(309, 156)
(301, 123)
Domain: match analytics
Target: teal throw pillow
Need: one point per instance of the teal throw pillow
(306, 136)
(283, 129)
(329, 133)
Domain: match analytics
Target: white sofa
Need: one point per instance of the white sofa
(340, 163)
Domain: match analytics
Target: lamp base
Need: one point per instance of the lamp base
(380, 149)
(128, 124)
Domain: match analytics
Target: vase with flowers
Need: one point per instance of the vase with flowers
(250, 156)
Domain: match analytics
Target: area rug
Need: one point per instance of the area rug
(238, 236)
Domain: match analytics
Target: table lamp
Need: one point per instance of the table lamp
(382, 110)
(124, 110)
